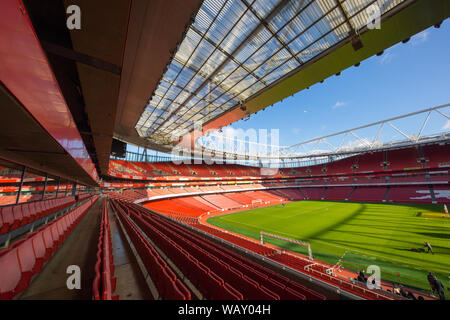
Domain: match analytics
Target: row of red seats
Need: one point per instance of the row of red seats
(299, 264)
(375, 194)
(435, 156)
(83, 196)
(168, 285)
(286, 259)
(341, 193)
(276, 283)
(415, 194)
(25, 258)
(13, 217)
(104, 282)
(206, 281)
(251, 279)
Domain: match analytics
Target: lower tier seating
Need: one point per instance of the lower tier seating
(25, 258)
(104, 282)
(168, 285)
(368, 194)
(216, 271)
(341, 193)
(409, 194)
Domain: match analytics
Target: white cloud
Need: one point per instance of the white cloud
(338, 104)
(386, 58)
(420, 38)
(446, 125)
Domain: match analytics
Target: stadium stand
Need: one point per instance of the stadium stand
(368, 194)
(15, 216)
(250, 280)
(167, 283)
(341, 193)
(312, 193)
(409, 194)
(25, 258)
(104, 283)
(75, 192)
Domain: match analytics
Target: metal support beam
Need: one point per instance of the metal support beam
(45, 187)
(242, 45)
(80, 57)
(21, 184)
(57, 188)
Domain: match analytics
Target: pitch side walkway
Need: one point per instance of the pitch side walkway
(80, 249)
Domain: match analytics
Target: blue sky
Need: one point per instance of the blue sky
(406, 78)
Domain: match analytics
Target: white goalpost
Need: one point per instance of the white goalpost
(298, 242)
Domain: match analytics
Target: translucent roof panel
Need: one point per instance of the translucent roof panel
(236, 48)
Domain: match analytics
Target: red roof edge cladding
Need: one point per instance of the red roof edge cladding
(26, 72)
(220, 122)
(225, 119)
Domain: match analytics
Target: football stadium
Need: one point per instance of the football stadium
(224, 150)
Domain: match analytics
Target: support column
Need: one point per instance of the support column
(57, 188)
(45, 187)
(21, 184)
(74, 188)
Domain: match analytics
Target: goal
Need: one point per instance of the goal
(298, 242)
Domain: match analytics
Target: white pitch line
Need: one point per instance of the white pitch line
(308, 211)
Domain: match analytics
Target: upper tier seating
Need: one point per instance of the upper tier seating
(15, 216)
(436, 156)
(403, 159)
(370, 162)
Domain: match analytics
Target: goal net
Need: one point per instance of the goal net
(297, 242)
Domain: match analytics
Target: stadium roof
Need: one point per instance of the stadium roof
(144, 71)
(235, 51)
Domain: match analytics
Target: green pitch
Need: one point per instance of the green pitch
(357, 234)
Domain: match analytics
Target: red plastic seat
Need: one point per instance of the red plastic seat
(7, 219)
(39, 248)
(48, 240)
(26, 256)
(10, 275)
(18, 217)
(26, 213)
